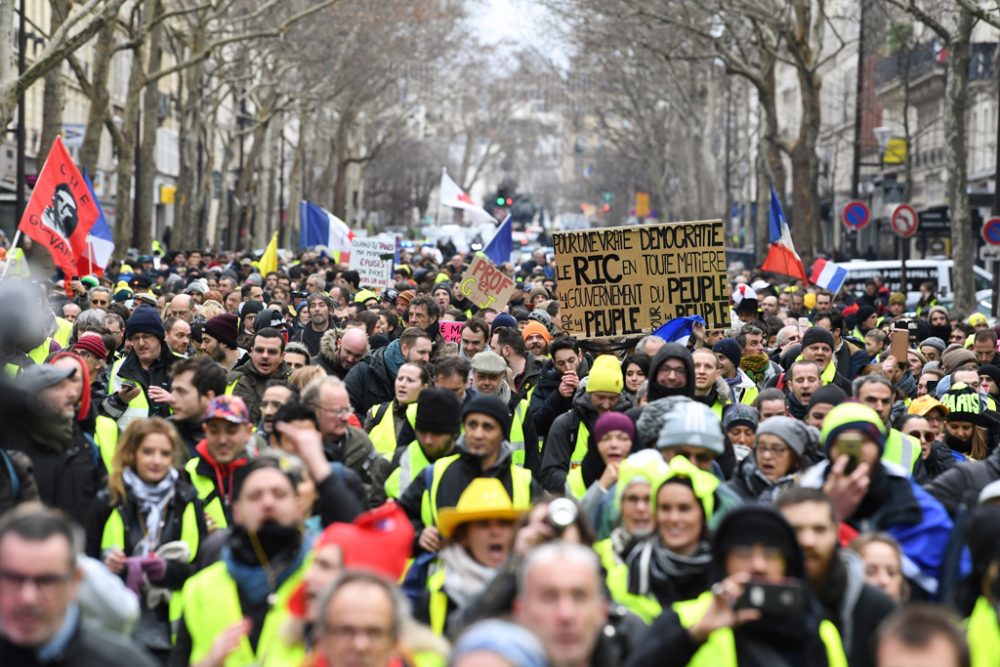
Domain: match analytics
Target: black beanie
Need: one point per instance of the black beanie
(830, 394)
(817, 335)
(438, 411)
(756, 524)
(488, 405)
(864, 312)
(144, 320)
(729, 348)
(247, 309)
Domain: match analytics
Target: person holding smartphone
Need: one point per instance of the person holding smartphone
(759, 609)
(869, 495)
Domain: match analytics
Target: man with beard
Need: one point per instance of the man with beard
(801, 382)
(877, 392)
(818, 345)
(850, 355)
(870, 496)
(753, 543)
(709, 387)
(320, 321)
(483, 451)
(194, 383)
(489, 378)
(61, 217)
(557, 385)
(340, 352)
(837, 576)
(537, 339)
(219, 340)
(233, 609)
(570, 440)
(276, 395)
(266, 363)
(509, 343)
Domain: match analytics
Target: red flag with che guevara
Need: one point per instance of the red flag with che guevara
(61, 210)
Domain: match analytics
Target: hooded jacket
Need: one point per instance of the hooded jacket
(751, 485)
(326, 358)
(251, 383)
(559, 445)
(158, 375)
(546, 401)
(670, 351)
(960, 486)
(372, 380)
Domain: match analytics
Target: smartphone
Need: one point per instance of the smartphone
(899, 342)
(850, 444)
(781, 600)
(128, 385)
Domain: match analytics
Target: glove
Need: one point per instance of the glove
(154, 568)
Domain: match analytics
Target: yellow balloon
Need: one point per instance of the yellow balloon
(809, 300)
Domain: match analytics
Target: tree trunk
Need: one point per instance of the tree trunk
(774, 168)
(126, 153)
(342, 165)
(955, 140)
(244, 188)
(54, 96)
(187, 228)
(90, 151)
(805, 168)
(150, 123)
(295, 190)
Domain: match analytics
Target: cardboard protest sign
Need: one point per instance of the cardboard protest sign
(623, 281)
(485, 285)
(372, 259)
(451, 330)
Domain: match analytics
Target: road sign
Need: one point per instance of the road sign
(905, 221)
(989, 252)
(856, 214)
(991, 231)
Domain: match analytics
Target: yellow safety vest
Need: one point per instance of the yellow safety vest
(575, 485)
(211, 604)
(106, 439)
(383, 433)
(438, 607)
(41, 353)
(64, 329)
(983, 634)
(207, 493)
(646, 608)
(517, 432)
(720, 648)
(750, 395)
(901, 449)
(113, 537)
(520, 482)
(138, 407)
(582, 444)
(411, 464)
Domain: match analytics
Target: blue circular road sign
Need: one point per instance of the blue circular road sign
(991, 231)
(856, 214)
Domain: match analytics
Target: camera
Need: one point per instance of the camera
(562, 514)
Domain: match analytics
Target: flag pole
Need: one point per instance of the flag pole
(6, 265)
(90, 257)
(437, 219)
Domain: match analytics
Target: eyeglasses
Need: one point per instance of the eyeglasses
(926, 436)
(635, 500)
(777, 450)
(45, 584)
(351, 633)
(341, 413)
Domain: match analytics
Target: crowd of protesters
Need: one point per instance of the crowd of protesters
(203, 465)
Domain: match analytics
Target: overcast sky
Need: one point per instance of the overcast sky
(517, 24)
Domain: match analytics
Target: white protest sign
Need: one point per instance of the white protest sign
(372, 259)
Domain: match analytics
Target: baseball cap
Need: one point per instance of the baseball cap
(230, 408)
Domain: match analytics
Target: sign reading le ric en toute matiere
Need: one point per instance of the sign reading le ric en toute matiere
(623, 281)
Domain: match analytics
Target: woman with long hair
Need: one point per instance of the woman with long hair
(147, 525)
(391, 424)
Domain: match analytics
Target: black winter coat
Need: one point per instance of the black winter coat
(369, 382)
(961, 485)
(87, 648)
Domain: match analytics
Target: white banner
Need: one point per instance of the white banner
(368, 258)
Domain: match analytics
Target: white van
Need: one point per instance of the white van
(937, 271)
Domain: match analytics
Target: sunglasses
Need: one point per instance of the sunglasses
(926, 436)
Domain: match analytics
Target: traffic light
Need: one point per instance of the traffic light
(500, 200)
(605, 207)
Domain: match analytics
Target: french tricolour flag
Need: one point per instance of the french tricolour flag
(781, 257)
(319, 227)
(100, 242)
(828, 275)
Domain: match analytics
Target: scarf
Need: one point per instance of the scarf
(668, 576)
(464, 577)
(756, 366)
(153, 500)
(622, 541)
(760, 488)
(223, 472)
(284, 549)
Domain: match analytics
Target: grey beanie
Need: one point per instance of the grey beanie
(934, 342)
(738, 414)
(693, 424)
(796, 434)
